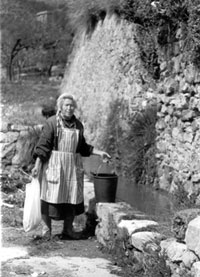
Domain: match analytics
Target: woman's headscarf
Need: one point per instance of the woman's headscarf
(61, 99)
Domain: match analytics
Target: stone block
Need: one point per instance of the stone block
(133, 226)
(189, 258)
(119, 211)
(177, 65)
(196, 178)
(190, 73)
(180, 102)
(109, 215)
(10, 137)
(24, 147)
(7, 152)
(197, 77)
(187, 115)
(2, 137)
(196, 269)
(173, 249)
(146, 240)
(192, 236)
(4, 126)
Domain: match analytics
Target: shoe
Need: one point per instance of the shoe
(72, 236)
(42, 238)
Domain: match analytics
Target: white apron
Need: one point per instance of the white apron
(62, 177)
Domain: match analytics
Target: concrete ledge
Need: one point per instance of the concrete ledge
(120, 220)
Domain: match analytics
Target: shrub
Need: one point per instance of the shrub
(181, 197)
(142, 137)
(194, 31)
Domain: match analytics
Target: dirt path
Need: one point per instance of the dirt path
(22, 257)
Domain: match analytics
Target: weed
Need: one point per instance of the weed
(181, 197)
(142, 136)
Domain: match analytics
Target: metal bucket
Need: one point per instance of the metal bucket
(105, 187)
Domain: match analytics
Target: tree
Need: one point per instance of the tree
(21, 30)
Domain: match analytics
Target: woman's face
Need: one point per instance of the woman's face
(68, 108)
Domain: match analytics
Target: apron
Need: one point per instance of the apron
(62, 178)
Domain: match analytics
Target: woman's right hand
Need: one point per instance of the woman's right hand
(35, 171)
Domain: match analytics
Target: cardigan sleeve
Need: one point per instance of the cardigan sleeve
(46, 143)
(85, 149)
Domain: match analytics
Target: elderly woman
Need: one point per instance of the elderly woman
(58, 160)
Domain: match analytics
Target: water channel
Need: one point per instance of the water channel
(156, 204)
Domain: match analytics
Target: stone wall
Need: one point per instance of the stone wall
(129, 233)
(17, 143)
(106, 68)
(178, 125)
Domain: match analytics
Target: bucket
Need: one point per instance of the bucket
(105, 186)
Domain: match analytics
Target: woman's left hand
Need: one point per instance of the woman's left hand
(105, 156)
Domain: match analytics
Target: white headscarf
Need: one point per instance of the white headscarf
(62, 97)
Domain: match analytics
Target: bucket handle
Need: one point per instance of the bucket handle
(101, 164)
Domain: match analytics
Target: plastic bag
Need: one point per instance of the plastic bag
(32, 207)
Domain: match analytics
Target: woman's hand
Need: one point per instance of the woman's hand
(105, 156)
(36, 169)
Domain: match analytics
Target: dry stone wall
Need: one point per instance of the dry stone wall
(17, 143)
(178, 125)
(120, 226)
(107, 68)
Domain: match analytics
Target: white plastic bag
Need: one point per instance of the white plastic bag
(32, 207)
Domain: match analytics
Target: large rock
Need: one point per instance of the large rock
(173, 249)
(196, 269)
(189, 258)
(192, 236)
(146, 240)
